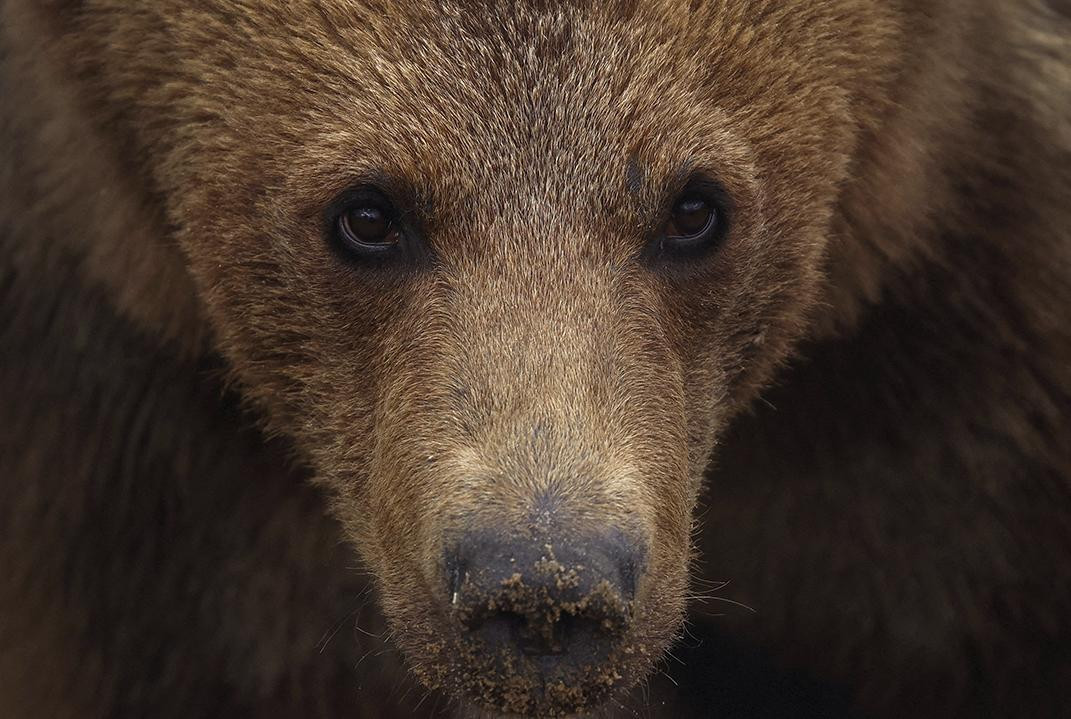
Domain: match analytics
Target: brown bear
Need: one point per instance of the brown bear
(458, 310)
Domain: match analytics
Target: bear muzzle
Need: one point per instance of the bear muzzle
(543, 620)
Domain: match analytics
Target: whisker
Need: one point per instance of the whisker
(675, 658)
(368, 633)
(422, 699)
(362, 600)
(667, 676)
(330, 634)
(363, 657)
(735, 603)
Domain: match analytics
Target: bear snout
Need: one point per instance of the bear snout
(543, 611)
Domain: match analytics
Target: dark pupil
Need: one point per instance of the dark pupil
(369, 224)
(691, 215)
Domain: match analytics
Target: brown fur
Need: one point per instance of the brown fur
(895, 504)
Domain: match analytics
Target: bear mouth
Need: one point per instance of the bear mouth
(513, 666)
(521, 653)
(512, 683)
(515, 623)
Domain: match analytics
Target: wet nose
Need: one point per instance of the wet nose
(564, 597)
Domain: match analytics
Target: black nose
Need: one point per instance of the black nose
(569, 598)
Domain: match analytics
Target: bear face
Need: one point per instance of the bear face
(441, 249)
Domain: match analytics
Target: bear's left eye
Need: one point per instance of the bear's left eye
(368, 225)
(692, 216)
(697, 222)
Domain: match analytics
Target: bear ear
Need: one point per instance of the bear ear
(122, 245)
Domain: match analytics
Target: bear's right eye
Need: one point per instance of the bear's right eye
(368, 225)
(696, 222)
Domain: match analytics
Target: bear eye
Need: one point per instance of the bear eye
(696, 222)
(691, 217)
(368, 225)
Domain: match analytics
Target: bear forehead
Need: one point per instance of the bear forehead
(563, 97)
(490, 105)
